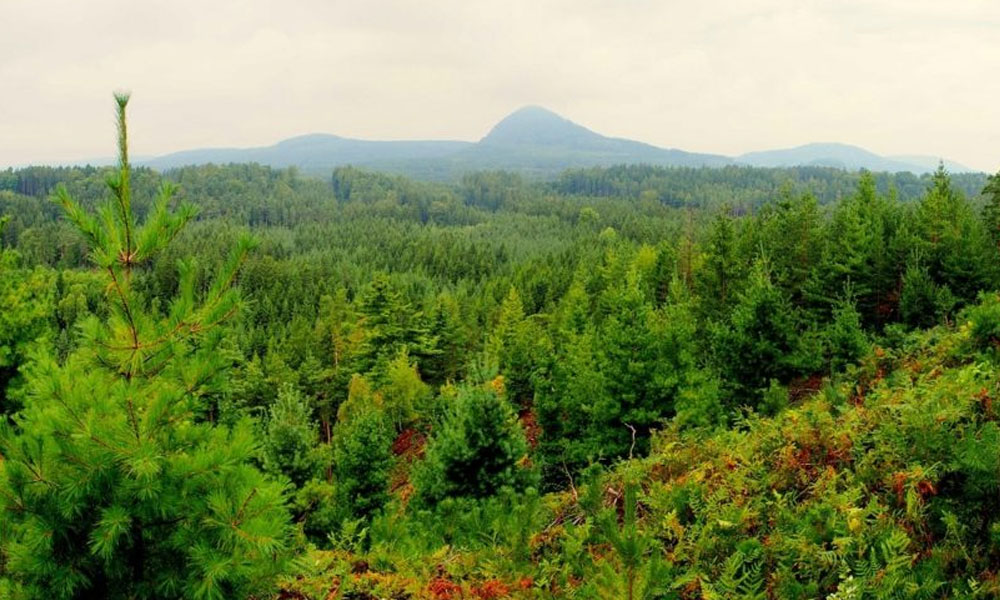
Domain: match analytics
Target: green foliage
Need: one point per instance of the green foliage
(519, 346)
(983, 321)
(362, 459)
(758, 343)
(27, 297)
(632, 313)
(921, 301)
(112, 483)
(476, 451)
(391, 326)
(845, 336)
(290, 438)
(637, 571)
(405, 396)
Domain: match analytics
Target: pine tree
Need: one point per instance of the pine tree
(113, 485)
(475, 452)
(919, 304)
(758, 343)
(391, 325)
(362, 460)
(290, 438)
(519, 346)
(791, 240)
(991, 212)
(718, 281)
(846, 338)
(953, 241)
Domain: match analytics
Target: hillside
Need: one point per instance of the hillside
(882, 482)
(629, 382)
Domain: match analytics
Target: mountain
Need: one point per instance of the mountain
(844, 156)
(536, 139)
(533, 141)
(313, 152)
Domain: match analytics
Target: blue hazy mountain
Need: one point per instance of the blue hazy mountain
(536, 139)
(844, 156)
(531, 140)
(313, 152)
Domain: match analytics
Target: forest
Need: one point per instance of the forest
(635, 382)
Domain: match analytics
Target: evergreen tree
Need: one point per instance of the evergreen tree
(759, 341)
(718, 280)
(991, 211)
(953, 241)
(112, 484)
(290, 438)
(646, 358)
(920, 301)
(519, 346)
(856, 254)
(452, 342)
(404, 396)
(476, 451)
(791, 241)
(577, 414)
(391, 325)
(340, 343)
(846, 338)
(362, 460)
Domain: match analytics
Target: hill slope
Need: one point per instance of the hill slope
(884, 481)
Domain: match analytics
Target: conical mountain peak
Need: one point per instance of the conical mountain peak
(535, 125)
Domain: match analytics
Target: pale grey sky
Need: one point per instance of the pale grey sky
(894, 76)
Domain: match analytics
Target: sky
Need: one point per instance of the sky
(893, 76)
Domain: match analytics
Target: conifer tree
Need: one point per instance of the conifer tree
(758, 342)
(391, 325)
(717, 282)
(362, 460)
(846, 339)
(991, 212)
(290, 438)
(113, 484)
(519, 345)
(475, 452)
(954, 241)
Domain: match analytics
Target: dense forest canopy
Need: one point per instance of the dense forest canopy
(626, 382)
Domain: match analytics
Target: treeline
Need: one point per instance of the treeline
(406, 351)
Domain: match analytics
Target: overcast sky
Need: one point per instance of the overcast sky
(894, 76)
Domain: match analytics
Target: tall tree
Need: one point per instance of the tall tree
(113, 485)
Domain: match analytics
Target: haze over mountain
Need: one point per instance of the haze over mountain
(844, 156)
(531, 140)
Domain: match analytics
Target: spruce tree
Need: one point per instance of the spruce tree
(475, 452)
(758, 343)
(113, 483)
(362, 461)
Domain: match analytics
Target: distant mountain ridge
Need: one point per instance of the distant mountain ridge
(532, 140)
(313, 151)
(844, 156)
